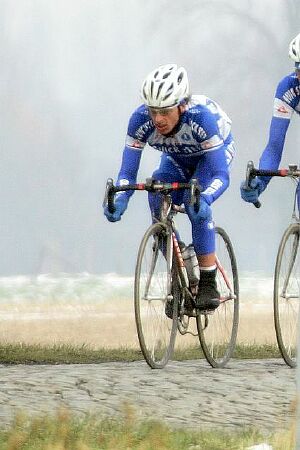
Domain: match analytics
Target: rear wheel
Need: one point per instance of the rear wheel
(152, 290)
(218, 331)
(287, 294)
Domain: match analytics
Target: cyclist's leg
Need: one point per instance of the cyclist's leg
(204, 231)
(203, 234)
(168, 171)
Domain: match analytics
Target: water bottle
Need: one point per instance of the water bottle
(192, 266)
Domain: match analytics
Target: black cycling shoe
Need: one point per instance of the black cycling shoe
(208, 296)
(169, 308)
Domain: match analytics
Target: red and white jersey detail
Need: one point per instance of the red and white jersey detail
(282, 109)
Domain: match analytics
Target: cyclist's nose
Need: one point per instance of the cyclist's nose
(159, 118)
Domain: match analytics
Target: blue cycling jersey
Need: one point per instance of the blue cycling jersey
(286, 102)
(203, 134)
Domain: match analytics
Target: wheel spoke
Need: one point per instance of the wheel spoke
(287, 294)
(156, 331)
(218, 331)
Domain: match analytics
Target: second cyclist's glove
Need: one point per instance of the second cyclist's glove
(120, 207)
(250, 195)
(204, 212)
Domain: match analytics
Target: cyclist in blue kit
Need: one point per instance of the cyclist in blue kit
(286, 102)
(194, 135)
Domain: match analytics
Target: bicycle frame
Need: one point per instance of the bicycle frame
(164, 300)
(166, 216)
(231, 295)
(286, 277)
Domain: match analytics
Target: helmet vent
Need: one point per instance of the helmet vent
(159, 89)
(151, 88)
(180, 77)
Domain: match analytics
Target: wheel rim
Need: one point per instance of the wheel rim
(156, 331)
(218, 331)
(287, 296)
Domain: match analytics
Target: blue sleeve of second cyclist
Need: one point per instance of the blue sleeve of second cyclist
(271, 156)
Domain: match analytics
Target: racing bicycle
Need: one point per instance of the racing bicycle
(286, 290)
(161, 282)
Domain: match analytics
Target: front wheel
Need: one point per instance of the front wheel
(287, 294)
(218, 331)
(152, 290)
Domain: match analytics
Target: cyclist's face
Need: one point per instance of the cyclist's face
(165, 119)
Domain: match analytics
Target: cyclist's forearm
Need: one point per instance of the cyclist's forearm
(129, 168)
(216, 163)
(271, 156)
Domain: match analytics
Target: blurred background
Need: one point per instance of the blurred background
(70, 78)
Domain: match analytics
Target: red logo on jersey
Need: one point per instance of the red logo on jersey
(282, 109)
(136, 144)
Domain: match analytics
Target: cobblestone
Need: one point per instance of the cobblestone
(258, 393)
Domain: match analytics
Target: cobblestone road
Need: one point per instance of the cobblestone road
(190, 393)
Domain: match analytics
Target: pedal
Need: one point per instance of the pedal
(206, 312)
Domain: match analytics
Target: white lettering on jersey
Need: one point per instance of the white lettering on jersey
(289, 95)
(215, 185)
(140, 133)
(198, 130)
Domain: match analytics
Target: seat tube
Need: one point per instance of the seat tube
(298, 196)
(169, 256)
(179, 258)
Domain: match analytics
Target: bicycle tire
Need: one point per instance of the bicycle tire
(152, 287)
(218, 331)
(286, 294)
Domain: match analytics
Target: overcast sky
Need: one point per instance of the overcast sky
(70, 78)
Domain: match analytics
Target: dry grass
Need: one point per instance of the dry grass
(109, 325)
(64, 431)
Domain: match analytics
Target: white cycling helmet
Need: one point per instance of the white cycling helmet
(165, 86)
(294, 50)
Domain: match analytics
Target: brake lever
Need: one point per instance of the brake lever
(195, 194)
(109, 196)
(250, 175)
